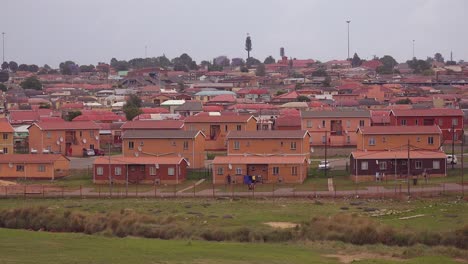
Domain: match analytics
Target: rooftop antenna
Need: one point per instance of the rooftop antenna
(146, 47)
(451, 56)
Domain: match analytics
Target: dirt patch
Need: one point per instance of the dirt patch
(281, 225)
(7, 183)
(410, 217)
(346, 258)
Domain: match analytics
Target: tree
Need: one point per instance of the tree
(320, 72)
(47, 67)
(438, 57)
(33, 68)
(181, 86)
(237, 62)
(3, 87)
(449, 63)
(69, 68)
(44, 106)
(282, 52)
(303, 98)
(280, 92)
(327, 81)
(5, 65)
(252, 61)
(4, 76)
(269, 60)
(418, 66)
(260, 71)
(71, 115)
(87, 68)
(31, 83)
(356, 61)
(222, 61)
(184, 63)
(13, 66)
(132, 107)
(23, 67)
(244, 69)
(388, 64)
(404, 101)
(248, 46)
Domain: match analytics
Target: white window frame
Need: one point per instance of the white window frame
(117, 171)
(364, 165)
(382, 165)
(236, 145)
(309, 123)
(220, 171)
(436, 164)
(171, 171)
(372, 141)
(276, 170)
(238, 171)
(403, 122)
(454, 121)
(100, 170)
(294, 170)
(418, 165)
(41, 168)
(186, 145)
(131, 145)
(430, 140)
(152, 170)
(293, 145)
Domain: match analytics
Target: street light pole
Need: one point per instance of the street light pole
(413, 50)
(453, 147)
(348, 21)
(3, 46)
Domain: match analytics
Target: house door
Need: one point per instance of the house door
(260, 171)
(214, 131)
(136, 173)
(402, 168)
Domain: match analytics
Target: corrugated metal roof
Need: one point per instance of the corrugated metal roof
(159, 134)
(270, 134)
(259, 159)
(400, 154)
(138, 160)
(336, 113)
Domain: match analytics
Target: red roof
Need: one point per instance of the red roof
(138, 160)
(5, 127)
(238, 159)
(253, 106)
(106, 118)
(212, 108)
(223, 98)
(155, 110)
(288, 121)
(372, 64)
(428, 112)
(80, 125)
(403, 154)
(30, 158)
(153, 124)
(218, 119)
(73, 106)
(290, 95)
(398, 130)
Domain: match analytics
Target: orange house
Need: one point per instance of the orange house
(34, 166)
(335, 128)
(187, 144)
(267, 169)
(217, 127)
(6, 141)
(66, 138)
(397, 137)
(267, 142)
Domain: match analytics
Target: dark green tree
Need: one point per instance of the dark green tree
(280, 92)
(44, 106)
(71, 115)
(3, 87)
(282, 52)
(237, 62)
(438, 57)
(356, 61)
(388, 63)
(244, 69)
(327, 81)
(404, 101)
(248, 46)
(33, 68)
(132, 107)
(23, 67)
(252, 61)
(69, 68)
(31, 83)
(47, 67)
(13, 66)
(260, 71)
(269, 60)
(4, 76)
(5, 65)
(87, 68)
(320, 72)
(418, 66)
(303, 98)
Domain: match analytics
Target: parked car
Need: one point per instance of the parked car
(90, 152)
(324, 165)
(452, 159)
(99, 152)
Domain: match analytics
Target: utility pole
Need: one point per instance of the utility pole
(3, 46)
(408, 171)
(146, 47)
(413, 50)
(326, 164)
(348, 21)
(462, 168)
(453, 146)
(110, 172)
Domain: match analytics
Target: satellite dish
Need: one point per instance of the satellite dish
(136, 154)
(84, 140)
(97, 137)
(58, 142)
(10, 165)
(230, 166)
(312, 149)
(156, 166)
(139, 148)
(61, 139)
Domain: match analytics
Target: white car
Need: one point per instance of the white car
(90, 152)
(324, 165)
(452, 159)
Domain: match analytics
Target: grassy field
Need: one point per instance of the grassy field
(20, 246)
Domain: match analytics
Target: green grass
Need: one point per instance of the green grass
(20, 246)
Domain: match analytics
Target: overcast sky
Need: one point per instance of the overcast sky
(89, 31)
